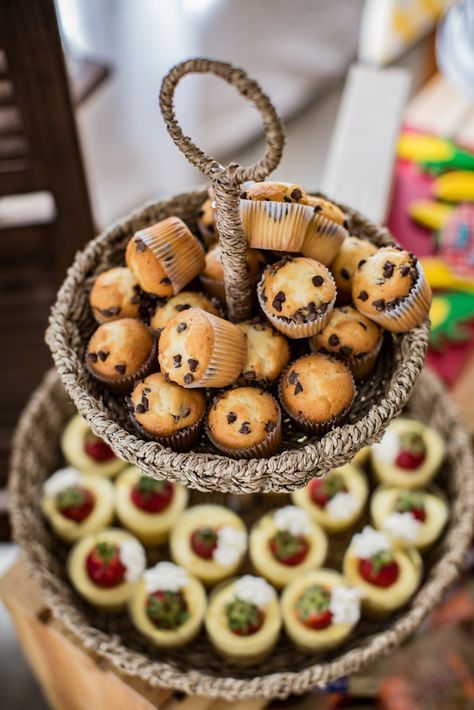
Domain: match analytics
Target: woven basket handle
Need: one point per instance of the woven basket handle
(227, 180)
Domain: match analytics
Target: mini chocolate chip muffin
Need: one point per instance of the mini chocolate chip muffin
(351, 337)
(326, 231)
(352, 251)
(206, 223)
(121, 352)
(245, 422)
(317, 392)
(197, 349)
(391, 289)
(115, 294)
(268, 352)
(182, 302)
(297, 295)
(212, 278)
(166, 412)
(274, 192)
(164, 257)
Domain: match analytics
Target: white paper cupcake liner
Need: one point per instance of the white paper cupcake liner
(183, 440)
(280, 226)
(228, 355)
(323, 239)
(179, 252)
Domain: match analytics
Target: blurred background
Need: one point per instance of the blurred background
(82, 143)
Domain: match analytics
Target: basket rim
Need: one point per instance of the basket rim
(272, 685)
(285, 471)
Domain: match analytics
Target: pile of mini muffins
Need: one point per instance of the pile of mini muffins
(382, 511)
(322, 300)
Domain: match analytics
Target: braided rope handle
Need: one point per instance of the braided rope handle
(227, 180)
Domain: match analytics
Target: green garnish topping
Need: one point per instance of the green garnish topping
(413, 442)
(243, 617)
(334, 484)
(315, 599)
(409, 500)
(71, 497)
(380, 560)
(106, 551)
(167, 610)
(147, 486)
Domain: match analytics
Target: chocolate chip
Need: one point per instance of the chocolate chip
(345, 274)
(140, 245)
(165, 281)
(112, 311)
(323, 308)
(249, 375)
(193, 364)
(346, 224)
(231, 417)
(379, 304)
(333, 340)
(293, 377)
(270, 426)
(120, 369)
(177, 360)
(318, 280)
(210, 228)
(140, 409)
(185, 412)
(200, 213)
(145, 403)
(245, 428)
(181, 327)
(362, 325)
(361, 263)
(243, 195)
(103, 355)
(92, 357)
(363, 296)
(175, 417)
(296, 194)
(346, 350)
(278, 300)
(286, 198)
(182, 307)
(298, 387)
(388, 269)
(188, 378)
(404, 269)
(146, 390)
(317, 208)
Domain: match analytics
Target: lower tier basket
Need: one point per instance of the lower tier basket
(197, 669)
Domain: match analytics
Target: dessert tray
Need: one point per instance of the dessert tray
(379, 398)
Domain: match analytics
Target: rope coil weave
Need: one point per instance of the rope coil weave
(197, 669)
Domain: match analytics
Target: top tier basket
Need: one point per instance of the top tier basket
(379, 399)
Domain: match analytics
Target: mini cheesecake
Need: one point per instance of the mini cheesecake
(319, 610)
(243, 620)
(147, 507)
(168, 605)
(209, 541)
(86, 451)
(337, 501)
(387, 576)
(409, 454)
(285, 543)
(104, 568)
(77, 504)
(411, 518)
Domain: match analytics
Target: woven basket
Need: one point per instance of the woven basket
(379, 399)
(197, 669)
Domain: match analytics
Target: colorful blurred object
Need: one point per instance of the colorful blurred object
(441, 276)
(429, 213)
(456, 243)
(457, 186)
(450, 313)
(434, 154)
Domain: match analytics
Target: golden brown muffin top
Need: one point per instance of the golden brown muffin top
(268, 352)
(297, 288)
(351, 252)
(243, 417)
(206, 215)
(186, 345)
(179, 303)
(119, 348)
(317, 388)
(114, 295)
(274, 192)
(325, 208)
(384, 280)
(162, 408)
(215, 270)
(348, 334)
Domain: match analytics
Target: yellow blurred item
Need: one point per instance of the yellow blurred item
(457, 186)
(420, 147)
(430, 213)
(441, 276)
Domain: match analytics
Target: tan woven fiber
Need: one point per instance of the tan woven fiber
(197, 669)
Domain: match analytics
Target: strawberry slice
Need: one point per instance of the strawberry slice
(152, 496)
(312, 608)
(289, 549)
(204, 542)
(321, 490)
(96, 448)
(75, 503)
(381, 570)
(244, 618)
(167, 610)
(104, 566)
(318, 620)
(411, 502)
(412, 451)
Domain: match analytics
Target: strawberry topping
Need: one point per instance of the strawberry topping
(244, 618)
(321, 490)
(204, 542)
(96, 448)
(289, 549)
(75, 503)
(411, 502)
(412, 451)
(166, 609)
(104, 566)
(312, 608)
(381, 569)
(152, 496)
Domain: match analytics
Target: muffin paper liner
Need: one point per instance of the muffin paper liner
(294, 329)
(177, 249)
(125, 384)
(275, 225)
(266, 448)
(183, 440)
(322, 239)
(228, 355)
(317, 428)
